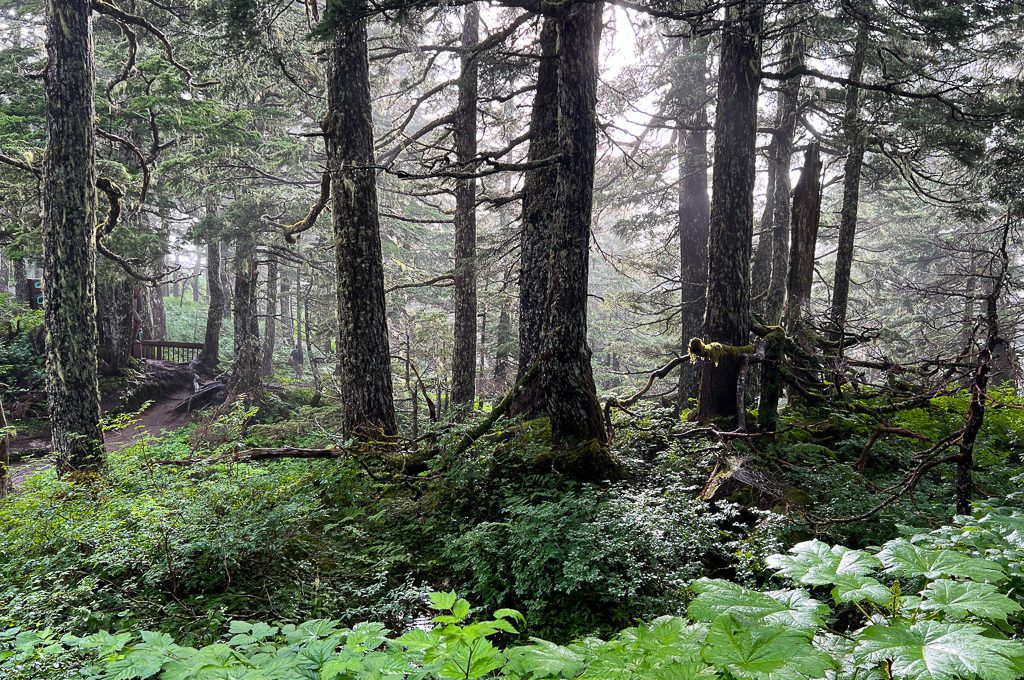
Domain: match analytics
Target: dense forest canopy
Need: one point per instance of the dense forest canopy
(319, 312)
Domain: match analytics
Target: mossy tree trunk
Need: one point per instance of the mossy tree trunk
(364, 357)
(115, 295)
(245, 369)
(209, 356)
(694, 207)
(538, 208)
(727, 313)
(465, 293)
(566, 377)
(270, 322)
(69, 238)
(855, 148)
(806, 218)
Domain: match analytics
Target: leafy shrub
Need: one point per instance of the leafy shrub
(582, 560)
(927, 607)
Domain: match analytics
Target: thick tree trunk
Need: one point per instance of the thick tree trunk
(694, 206)
(806, 218)
(115, 295)
(464, 355)
(209, 356)
(270, 324)
(566, 377)
(245, 369)
(727, 313)
(69, 242)
(538, 203)
(855, 147)
(364, 358)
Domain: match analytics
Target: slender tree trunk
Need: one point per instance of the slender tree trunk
(209, 356)
(245, 369)
(694, 207)
(464, 355)
(21, 289)
(176, 284)
(727, 314)
(503, 340)
(364, 359)
(270, 324)
(806, 218)
(156, 299)
(297, 306)
(225, 277)
(770, 270)
(5, 274)
(781, 155)
(196, 273)
(69, 223)
(539, 187)
(577, 427)
(287, 323)
(855, 147)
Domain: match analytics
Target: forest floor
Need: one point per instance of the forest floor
(31, 452)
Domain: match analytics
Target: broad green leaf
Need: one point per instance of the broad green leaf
(758, 652)
(960, 599)
(903, 558)
(930, 650)
(442, 600)
(853, 588)
(543, 659)
(814, 563)
(786, 607)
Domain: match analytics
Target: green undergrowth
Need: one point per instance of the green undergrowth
(184, 549)
(937, 605)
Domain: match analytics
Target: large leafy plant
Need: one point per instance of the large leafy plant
(935, 606)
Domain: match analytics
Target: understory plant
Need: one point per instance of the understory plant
(928, 606)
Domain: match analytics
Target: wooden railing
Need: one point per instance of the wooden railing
(165, 350)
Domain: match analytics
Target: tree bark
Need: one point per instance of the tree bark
(69, 242)
(209, 356)
(5, 274)
(694, 207)
(21, 289)
(806, 218)
(855, 147)
(196, 273)
(727, 313)
(770, 269)
(539, 185)
(270, 323)
(225, 277)
(364, 363)
(245, 369)
(115, 295)
(465, 294)
(578, 435)
(156, 300)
